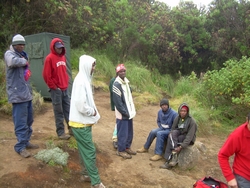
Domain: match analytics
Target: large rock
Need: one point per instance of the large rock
(189, 156)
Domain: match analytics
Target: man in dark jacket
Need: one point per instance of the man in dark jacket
(125, 112)
(20, 94)
(183, 134)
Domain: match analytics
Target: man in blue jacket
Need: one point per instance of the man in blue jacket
(165, 120)
(20, 94)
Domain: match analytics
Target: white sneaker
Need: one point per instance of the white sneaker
(100, 185)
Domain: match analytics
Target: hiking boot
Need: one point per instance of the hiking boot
(24, 153)
(165, 166)
(124, 155)
(64, 136)
(156, 158)
(130, 152)
(174, 160)
(32, 146)
(85, 178)
(142, 150)
(100, 185)
(115, 145)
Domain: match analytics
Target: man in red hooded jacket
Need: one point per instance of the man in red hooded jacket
(56, 77)
(237, 145)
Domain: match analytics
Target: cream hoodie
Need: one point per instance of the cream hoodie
(82, 106)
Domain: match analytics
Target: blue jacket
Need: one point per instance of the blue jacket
(18, 89)
(165, 119)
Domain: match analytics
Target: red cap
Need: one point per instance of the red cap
(185, 107)
(120, 67)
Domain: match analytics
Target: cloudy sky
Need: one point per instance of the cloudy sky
(173, 3)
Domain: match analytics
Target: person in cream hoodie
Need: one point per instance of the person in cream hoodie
(83, 115)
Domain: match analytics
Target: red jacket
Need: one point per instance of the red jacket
(55, 68)
(238, 144)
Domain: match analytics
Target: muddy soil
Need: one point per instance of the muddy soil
(138, 172)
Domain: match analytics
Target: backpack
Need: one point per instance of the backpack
(209, 182)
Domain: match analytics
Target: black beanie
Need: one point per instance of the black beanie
(164, 101)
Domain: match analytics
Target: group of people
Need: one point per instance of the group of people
(176, 130)
(79, 111)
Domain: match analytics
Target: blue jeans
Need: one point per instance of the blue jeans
(61, 105)
(124, 134)
(162, 135)
(22, 114)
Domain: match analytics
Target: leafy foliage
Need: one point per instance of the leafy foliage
(172, 40)
(228, 87)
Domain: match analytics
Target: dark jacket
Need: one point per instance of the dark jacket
(112, 105)
(123, 101)
(189, 129)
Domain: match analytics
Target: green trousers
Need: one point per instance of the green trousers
(87, 153)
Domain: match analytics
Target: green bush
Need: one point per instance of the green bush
(227, 90)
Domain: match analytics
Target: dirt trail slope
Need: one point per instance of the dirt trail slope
(139, 172)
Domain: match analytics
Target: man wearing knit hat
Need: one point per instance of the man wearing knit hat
(56, 77)
(20, 94)
(124, 111)
(183, 134)
(165, 120)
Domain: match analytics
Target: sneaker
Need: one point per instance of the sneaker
(64, 136)
(100, 185)
(115, 145)
(85, 178)
(24, 153)
(156, 158)
(174, 160)
(142, 150)
(32, 146)
(124, 155)
(165, 166)
(130, 152)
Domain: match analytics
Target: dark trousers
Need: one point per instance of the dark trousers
(124, 134)
(174, 138)
(242, 182)
(22, 114)
(61, 105)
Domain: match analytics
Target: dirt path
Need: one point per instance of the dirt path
(138, 172)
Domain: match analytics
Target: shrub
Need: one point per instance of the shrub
(227, 89)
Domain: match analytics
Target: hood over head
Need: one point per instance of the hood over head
(183, 105)
(52, 46)
(85, 65)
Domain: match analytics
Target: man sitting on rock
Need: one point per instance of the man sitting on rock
(183, 134)
(165, 120)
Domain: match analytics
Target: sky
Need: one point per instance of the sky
(173, 3)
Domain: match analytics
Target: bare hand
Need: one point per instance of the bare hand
(233, 183)
(178, 149)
